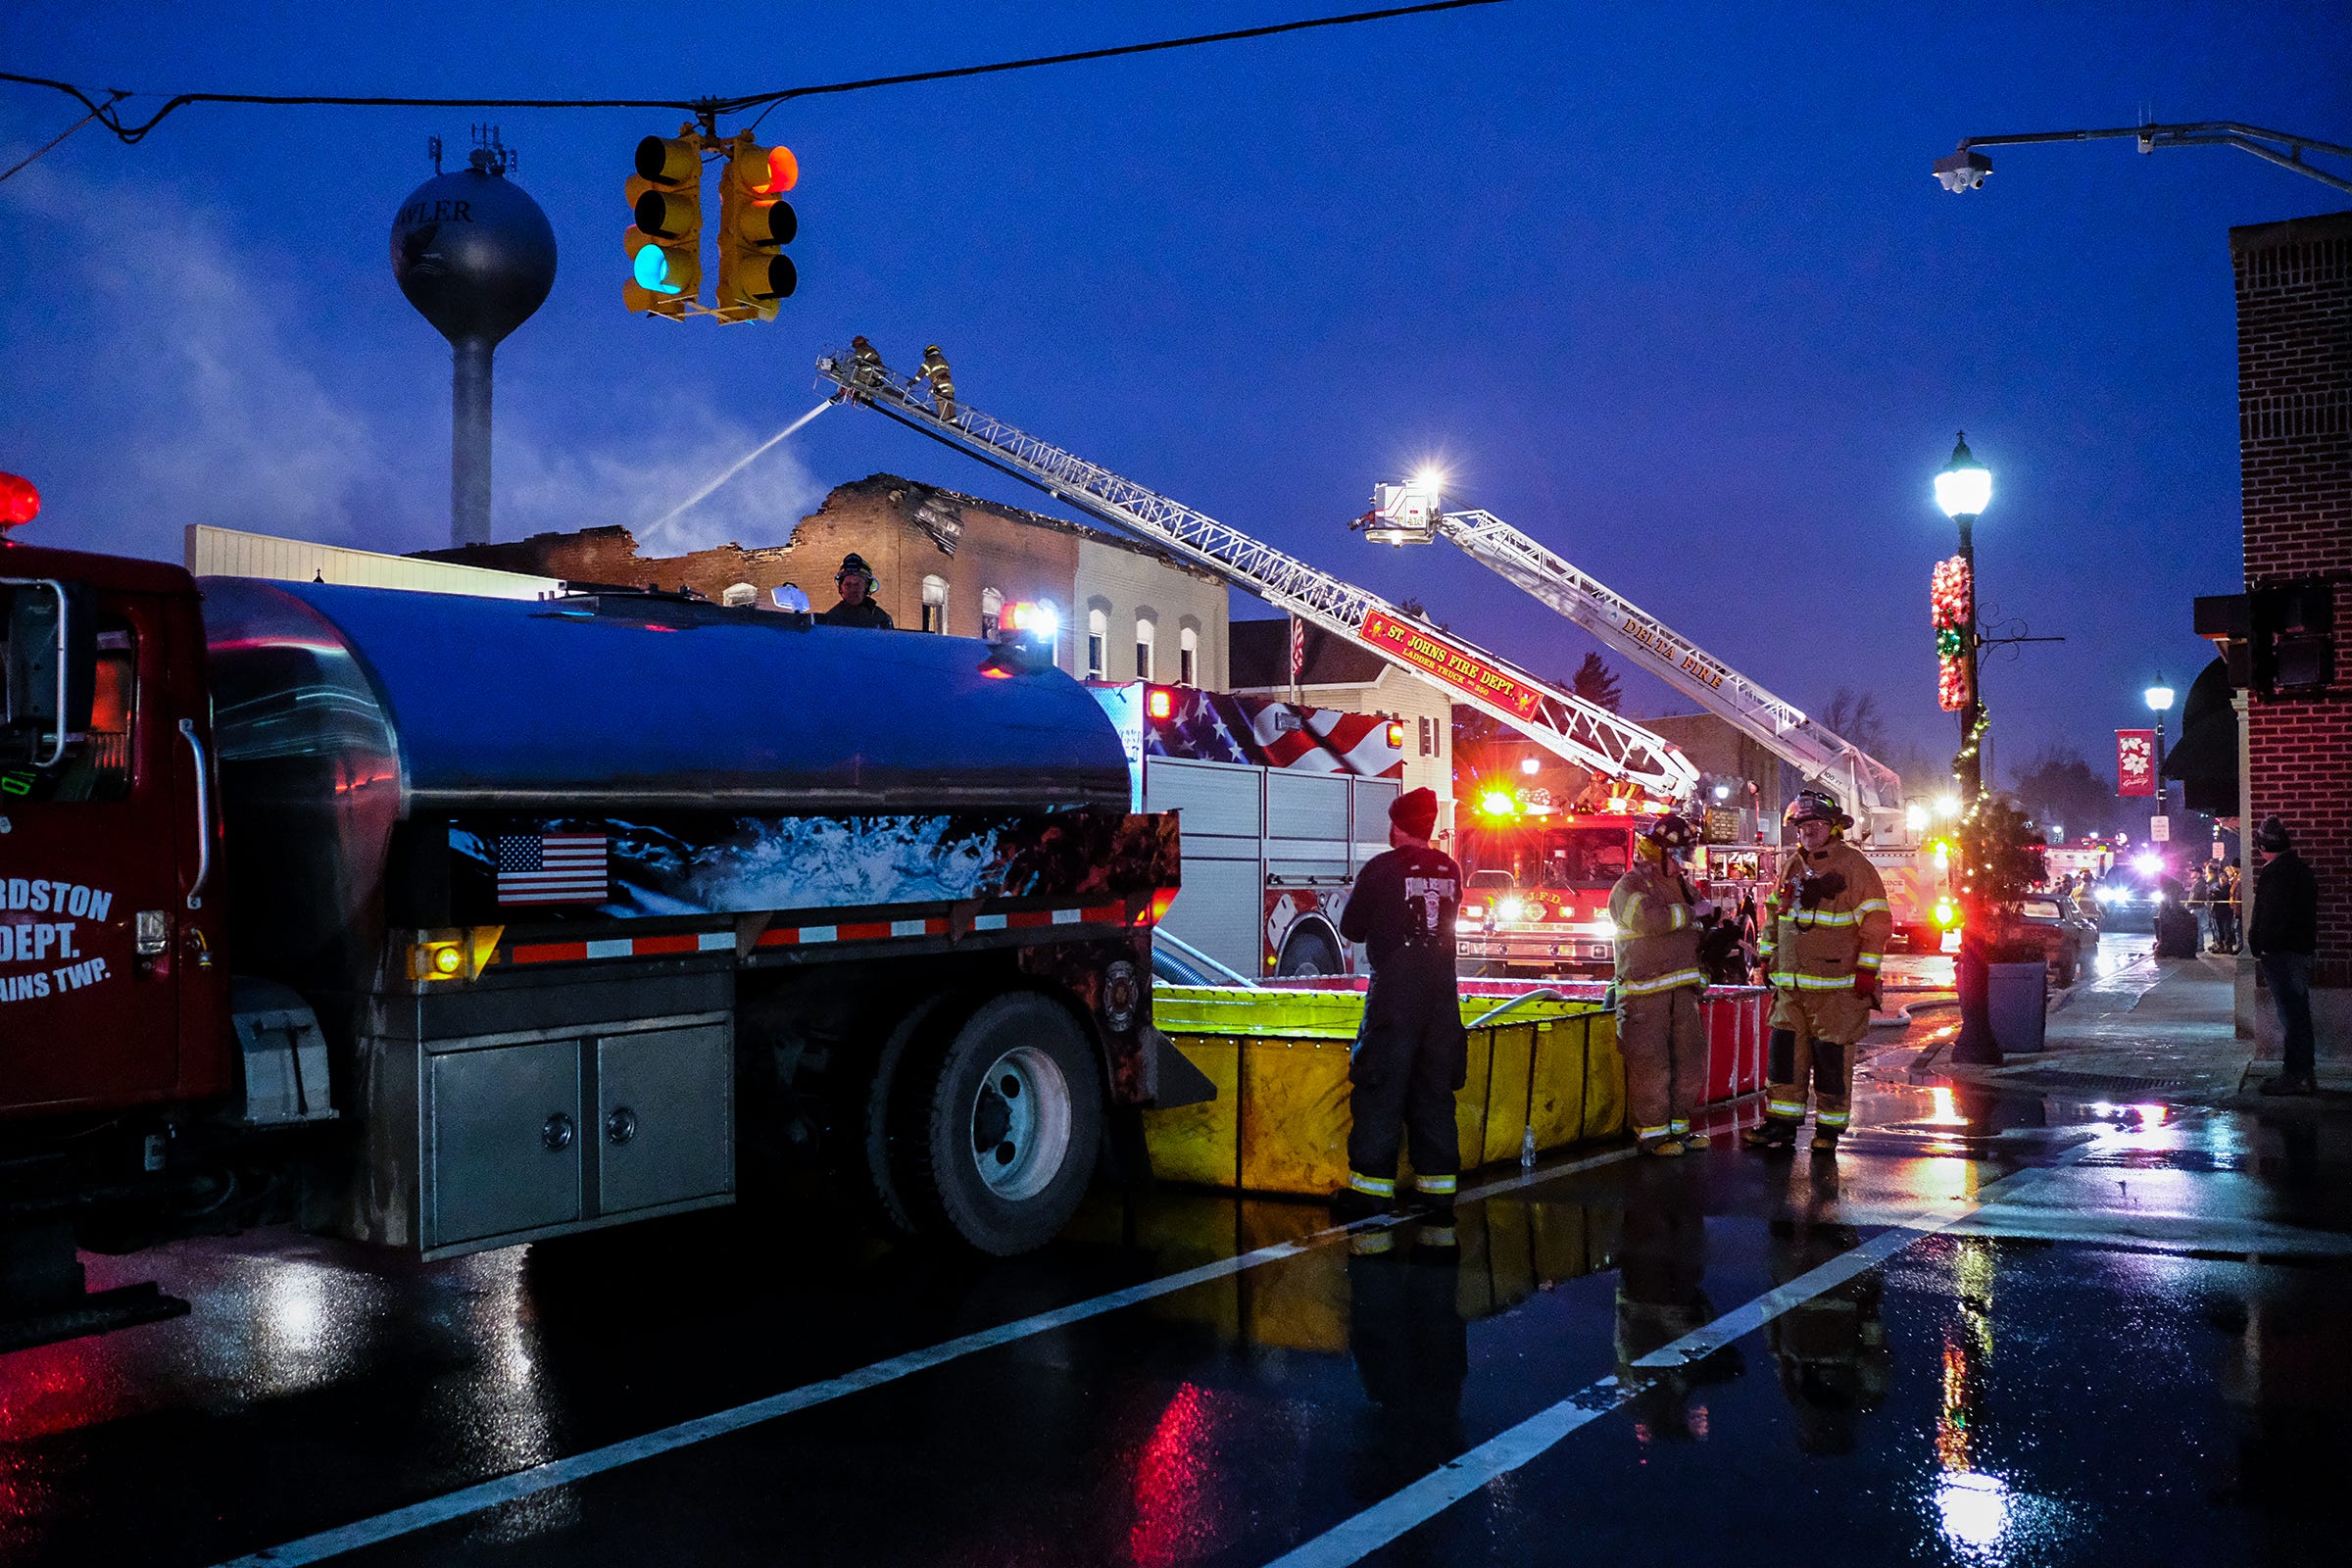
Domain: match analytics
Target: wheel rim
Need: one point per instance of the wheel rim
(1020, 1123)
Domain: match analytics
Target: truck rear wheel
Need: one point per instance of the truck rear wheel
(1307, 955)
(996, 1125)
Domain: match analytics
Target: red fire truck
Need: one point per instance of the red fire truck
(443, 923)
(1537, 899)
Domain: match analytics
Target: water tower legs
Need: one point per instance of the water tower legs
(470, 441)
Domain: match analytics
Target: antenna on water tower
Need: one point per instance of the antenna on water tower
(476, 256)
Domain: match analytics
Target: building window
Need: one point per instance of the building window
(1098, 638)
(935, 604)
(992, 611)
(1429, 740)
(1145, 632)
(1188, 656)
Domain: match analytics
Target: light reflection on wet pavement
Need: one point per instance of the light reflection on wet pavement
(2136, 1354)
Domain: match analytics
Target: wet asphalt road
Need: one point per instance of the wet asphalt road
(2023, 1330)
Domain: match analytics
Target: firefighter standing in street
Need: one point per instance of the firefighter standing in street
(855, 580)
(1412, 1053)
(1825, 934)
(1659, 1029)
(934, 369)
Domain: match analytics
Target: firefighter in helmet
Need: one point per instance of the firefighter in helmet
(1411, 1052)
(865, 361)
(1825, 932)
(1656, 911)
(934, 369)
(855, 580)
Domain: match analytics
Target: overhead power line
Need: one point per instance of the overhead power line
(102, 104)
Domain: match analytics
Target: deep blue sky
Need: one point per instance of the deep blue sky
(1668, 286)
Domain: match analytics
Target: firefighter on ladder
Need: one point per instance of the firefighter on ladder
(1825, 933)
(1412, 1053)
(934, 369)
(865, 361)
(1659, 1027)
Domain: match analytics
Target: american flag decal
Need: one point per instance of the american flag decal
(552, 868)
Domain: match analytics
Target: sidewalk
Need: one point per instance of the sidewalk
(2158, 1029)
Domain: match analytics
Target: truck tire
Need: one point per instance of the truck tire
(1307, 953)
(874, 1125)
(996, 1125)
(2070, 964)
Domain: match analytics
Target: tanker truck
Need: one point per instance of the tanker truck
(442, 923)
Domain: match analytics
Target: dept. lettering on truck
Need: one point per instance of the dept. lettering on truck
(54, 945)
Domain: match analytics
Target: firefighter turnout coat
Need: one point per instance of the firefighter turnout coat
(1826, 921)
(1826, 925)
(1659, 1028)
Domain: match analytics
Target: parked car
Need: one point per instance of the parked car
(2068, 938)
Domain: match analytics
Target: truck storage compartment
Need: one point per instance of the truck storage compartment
(526, 1137)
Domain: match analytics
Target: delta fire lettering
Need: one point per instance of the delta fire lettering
(1449, 664)
(55, 944)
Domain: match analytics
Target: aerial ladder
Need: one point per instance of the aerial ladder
(1578, 731)
(1868, 790)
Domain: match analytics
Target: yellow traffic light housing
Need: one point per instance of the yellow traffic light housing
(663, 243)
(755, 225)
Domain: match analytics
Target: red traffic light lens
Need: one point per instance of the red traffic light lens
(20, 501)
(783, 171)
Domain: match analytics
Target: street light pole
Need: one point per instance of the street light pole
(2160, 701)
(1963, 489)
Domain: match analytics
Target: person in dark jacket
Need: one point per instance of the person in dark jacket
(1412, 1053)
(2284, 935)
(855, 580)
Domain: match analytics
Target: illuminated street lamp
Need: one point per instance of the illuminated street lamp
(1963, 489)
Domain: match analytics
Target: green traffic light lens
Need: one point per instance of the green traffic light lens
(651, 267)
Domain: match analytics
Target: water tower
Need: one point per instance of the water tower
(476, 256)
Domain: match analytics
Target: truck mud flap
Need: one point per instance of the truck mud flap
(42, 1299)
(1179, 1081)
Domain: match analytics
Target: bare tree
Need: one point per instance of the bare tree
(1855, 716)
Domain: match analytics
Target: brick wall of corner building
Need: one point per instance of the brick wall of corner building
(2294, 323)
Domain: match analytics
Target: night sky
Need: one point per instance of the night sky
(1669, 288)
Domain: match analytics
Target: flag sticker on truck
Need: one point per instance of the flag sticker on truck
(552, 867)
(53, 946)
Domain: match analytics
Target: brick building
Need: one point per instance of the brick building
(2295, 379)
(941, 561)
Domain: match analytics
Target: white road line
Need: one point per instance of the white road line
(555, 1473)
(1355, 1538)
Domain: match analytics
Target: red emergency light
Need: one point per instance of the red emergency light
(20, 501)
(1396, 734)
(1159, 703)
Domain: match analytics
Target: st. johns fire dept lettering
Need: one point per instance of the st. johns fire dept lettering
(55, 944)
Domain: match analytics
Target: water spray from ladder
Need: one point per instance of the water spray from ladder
(741, 464)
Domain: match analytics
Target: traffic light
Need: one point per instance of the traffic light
(665, 198)
(755, 225)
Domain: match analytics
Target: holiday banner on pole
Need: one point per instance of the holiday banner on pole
(2136, 761)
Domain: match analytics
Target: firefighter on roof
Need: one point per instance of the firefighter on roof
(855, 580)
(1825, 933)
(1656, 912)
(1412, 1053)
(934, 369)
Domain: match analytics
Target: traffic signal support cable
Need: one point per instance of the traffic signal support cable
(102, 104)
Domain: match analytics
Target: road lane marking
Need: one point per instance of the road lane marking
(1356, 1538)
(487, 1494)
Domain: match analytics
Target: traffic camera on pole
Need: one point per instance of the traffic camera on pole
(665, 198)
(755, 225)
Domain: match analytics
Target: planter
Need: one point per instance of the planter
(2016, 1000)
